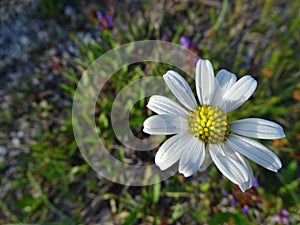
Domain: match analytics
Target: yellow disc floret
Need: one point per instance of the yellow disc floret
(209, 124)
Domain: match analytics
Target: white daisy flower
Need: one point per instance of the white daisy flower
(203, 131)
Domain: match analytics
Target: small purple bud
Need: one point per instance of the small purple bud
(195, 60)
(285, 213)
(245, 209)
(233, 201)
(109, 20)
(99, 15)
(277, 218)
(185, 41)
(52, 52)
(225, 192)
(105, 21)
(100, 27)
(193, 44)
(165, 37)
(285, 220)
(255, 183)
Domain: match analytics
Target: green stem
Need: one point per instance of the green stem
(44, 198)
(5, 208)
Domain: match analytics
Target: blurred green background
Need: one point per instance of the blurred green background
(45, 47)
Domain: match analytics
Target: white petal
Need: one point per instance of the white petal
(180, 89)
(165, 124)
(254, 151)
(192, 157)
(205, 81)
(257, 128)
(206, 163)
(239, 93)
(164, 105)
(225, 79)
(208, 90)
(170, 151)
(249, 178)
(231, 168)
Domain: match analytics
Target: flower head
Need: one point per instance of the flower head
(203, 131)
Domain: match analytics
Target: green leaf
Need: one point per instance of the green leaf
(121, 154)
(289, 173)
(91, 56)
(28, 203)
(91, 139)
(131, 219)
(222, 218)
(103, 120)
(204, 186)
(67, 88)
(177, 213)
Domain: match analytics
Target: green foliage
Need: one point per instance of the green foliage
(225, 218)
(51, 7)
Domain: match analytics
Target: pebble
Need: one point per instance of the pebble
(69, 11)
(15, 142)
(20, 134)
(3, 151)
(24, 40)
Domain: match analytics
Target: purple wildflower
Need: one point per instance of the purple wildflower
(255, 183)
(277, 218)
(285, 213)
(245, 209)
(282, 217)
(233, 201)
(185, 41)
(52, 52)
(195, 60)
(285, 220)
(225, 192)
(109, 20)
(105, 21)
(99, 15)
(165, 37)
(188, 44)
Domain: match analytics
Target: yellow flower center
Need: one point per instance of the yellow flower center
(209, 124)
